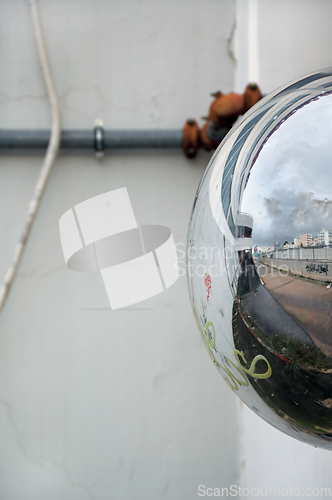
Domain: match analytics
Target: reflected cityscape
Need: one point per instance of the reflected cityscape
(283, 304)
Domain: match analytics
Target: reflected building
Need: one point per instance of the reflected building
(306, 240)
(325, 237)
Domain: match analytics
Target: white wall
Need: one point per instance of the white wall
(277, 41)
(280, 40)
(96, 404)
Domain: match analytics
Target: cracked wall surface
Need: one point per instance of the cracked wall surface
(134, 64)
(95, 404)
(100, 404)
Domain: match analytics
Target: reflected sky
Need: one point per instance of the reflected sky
(289, 189)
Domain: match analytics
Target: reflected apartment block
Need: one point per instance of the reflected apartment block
(325, 237)
(306, 240)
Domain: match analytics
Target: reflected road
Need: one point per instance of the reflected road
(308, 303)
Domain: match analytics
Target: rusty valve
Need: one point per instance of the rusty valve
(224, 111)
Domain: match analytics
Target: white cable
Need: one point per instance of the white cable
(50, 156)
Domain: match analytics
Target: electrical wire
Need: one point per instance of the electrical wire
(50, 156)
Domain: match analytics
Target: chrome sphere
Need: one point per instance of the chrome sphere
(259, 259)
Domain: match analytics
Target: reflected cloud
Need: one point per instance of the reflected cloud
(288, 192)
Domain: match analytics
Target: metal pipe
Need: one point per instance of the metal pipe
(80, 138)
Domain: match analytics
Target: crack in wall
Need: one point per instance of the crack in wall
(6, 97)
(230, 39)
(38, 461)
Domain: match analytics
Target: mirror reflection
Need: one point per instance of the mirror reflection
(259, 259)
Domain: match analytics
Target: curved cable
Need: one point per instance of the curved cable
(50, 156)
